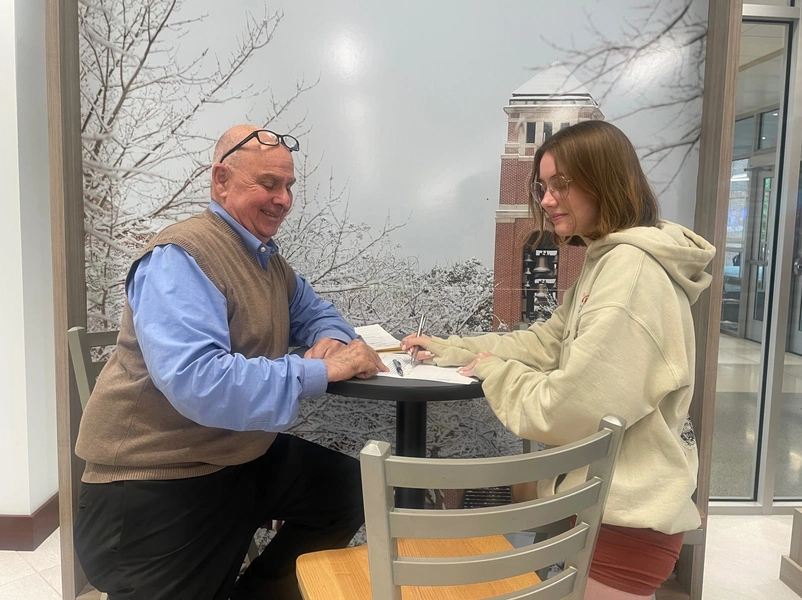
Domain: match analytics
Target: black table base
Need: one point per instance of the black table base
(410, 441)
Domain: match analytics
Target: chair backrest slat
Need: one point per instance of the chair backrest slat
(479, 522)
(86, 371)
(460, 570)
(381, 472)
(554, 588)
(470, 473)
(102, 338)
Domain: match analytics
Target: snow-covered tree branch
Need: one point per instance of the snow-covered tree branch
(659, 56)
(144, 157)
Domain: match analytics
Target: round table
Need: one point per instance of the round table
(410, 396)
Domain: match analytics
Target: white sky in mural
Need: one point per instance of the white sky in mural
(409, 106)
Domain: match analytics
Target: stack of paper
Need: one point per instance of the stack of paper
(377, 338)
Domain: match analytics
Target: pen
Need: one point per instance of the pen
(420, 330)
(398, 368)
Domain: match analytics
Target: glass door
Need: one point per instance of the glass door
(757, 261)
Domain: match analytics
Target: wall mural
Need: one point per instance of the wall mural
(418, 121)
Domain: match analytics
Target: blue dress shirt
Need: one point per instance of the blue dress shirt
(181, 324)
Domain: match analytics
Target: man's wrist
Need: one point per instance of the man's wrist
(337, 336)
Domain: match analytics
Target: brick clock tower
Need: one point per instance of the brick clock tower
(530, 281)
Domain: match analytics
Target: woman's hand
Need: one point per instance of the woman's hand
(467, 370)
(409, 343)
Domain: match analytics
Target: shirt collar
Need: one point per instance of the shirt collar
(253, 244)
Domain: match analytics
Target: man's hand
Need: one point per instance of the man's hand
(357, 359)
(324, 347)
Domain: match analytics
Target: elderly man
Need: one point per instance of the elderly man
(183, 458)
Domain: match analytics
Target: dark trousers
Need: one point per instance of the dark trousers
(187, 538)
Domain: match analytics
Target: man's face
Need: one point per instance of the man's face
(257, 188)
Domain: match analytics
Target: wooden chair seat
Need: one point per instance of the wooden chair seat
(344, 574)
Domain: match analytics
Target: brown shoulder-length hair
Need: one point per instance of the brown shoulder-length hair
(598, 158)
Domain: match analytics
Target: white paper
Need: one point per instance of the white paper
(377, 338)
(414, 370)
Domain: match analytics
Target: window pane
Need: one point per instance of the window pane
(734, 249)
(530, 133)
(769, 122)
(761, 79)
(546, 131)
(742, 140)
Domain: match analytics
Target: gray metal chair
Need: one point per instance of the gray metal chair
(387, 524)
(86, 370)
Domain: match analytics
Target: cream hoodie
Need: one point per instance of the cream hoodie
(622, 342)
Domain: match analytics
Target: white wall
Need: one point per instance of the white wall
(28, 457)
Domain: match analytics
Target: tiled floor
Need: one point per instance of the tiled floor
(743, 562)
(739, 367)
(32, 575)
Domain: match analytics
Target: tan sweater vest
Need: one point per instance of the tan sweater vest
(129, 429)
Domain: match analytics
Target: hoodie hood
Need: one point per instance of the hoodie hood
(682, 253)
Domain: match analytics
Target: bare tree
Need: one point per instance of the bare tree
(663, 48)
(456, 299)
(143, 156)
(370, 279)
(319, 238)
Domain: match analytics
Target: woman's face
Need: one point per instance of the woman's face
(571, 210)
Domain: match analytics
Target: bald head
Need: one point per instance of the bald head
(231, 138)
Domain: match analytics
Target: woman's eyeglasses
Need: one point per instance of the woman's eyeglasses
(557, 186)
(267, 138)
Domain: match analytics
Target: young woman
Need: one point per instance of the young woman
(622, 342)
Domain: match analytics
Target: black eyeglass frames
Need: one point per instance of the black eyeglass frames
(268, 138)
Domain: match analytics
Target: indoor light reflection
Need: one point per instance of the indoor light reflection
(348, 55)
